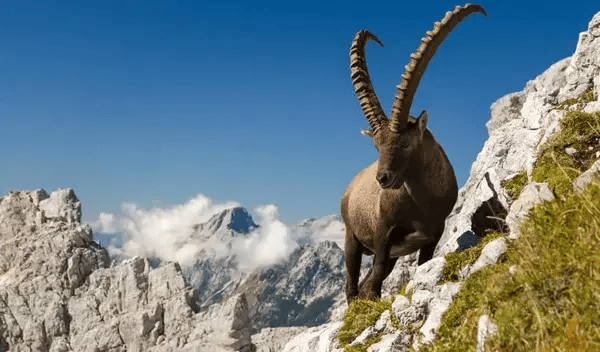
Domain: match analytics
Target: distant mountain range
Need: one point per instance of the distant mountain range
(300, 290)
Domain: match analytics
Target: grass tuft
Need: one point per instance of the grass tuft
(515, 185)
(557, 169)
(579, 131)
(361, 313)
(586, 97)
(404, 292)
(459, 259)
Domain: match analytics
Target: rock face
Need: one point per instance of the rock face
(43, 262)
(235, 219)
(519, 123)
(58, 293)
(531, 195)
(300, 291)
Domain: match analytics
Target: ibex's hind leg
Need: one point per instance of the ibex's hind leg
(427, 249)
(365, 284)
(353, 251)
(426, 252)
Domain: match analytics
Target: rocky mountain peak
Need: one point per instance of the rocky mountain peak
(235, 219)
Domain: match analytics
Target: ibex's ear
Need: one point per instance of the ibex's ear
(422, 121)
(366, 132)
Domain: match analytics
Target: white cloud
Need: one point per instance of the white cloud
(328, 228)
(162, 232)
(169, 234)
(105, 223)
(268, 244)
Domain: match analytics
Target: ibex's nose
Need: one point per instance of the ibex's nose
(385, 178)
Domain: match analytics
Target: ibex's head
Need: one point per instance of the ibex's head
(398, 138)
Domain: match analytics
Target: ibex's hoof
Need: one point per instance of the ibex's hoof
(351, 295)
(351, 299)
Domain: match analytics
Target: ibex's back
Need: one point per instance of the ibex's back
(399, 203)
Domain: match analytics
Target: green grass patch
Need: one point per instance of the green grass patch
(552, 302)
(404, 292)
(586, 97)
(361, 313)
(364, 346)
(579, 131)
(574, 127)
(459, 259)
(515, 185)
(557, 169)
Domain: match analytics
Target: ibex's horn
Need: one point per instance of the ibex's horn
(420, 58)
(362, 81)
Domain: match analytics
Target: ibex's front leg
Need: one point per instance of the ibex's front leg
(353, 251)
(381, 260)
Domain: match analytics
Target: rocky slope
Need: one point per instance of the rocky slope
(58, 292)
(520, 122)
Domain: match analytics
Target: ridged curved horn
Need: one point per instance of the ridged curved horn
(362, 81)
(420, 58)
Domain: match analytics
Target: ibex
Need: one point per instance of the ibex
(398, 204)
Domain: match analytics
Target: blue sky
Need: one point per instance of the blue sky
(154, 102)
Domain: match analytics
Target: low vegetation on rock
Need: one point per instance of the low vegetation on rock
(459, 259)
(515, 185)
(551, 301)
(362, 313)
(570, 152)
(544, 294)
(586, 97)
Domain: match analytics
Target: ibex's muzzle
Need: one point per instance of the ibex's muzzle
(385, 178)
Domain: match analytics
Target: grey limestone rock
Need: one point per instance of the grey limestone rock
(532, 194)
(58, 292)
(428, 274)
(400, 304)
(322, 338)
(585, 178)
(274, 339)
(384, 323)
(42, 262)
(395, 342)
(366, 334)
(485, 328)
(403, 272)
(518, 123)
(62, 205)
(437, 307)
(489, 255)
(584, 65)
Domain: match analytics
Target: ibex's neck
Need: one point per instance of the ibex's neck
(430, 176)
